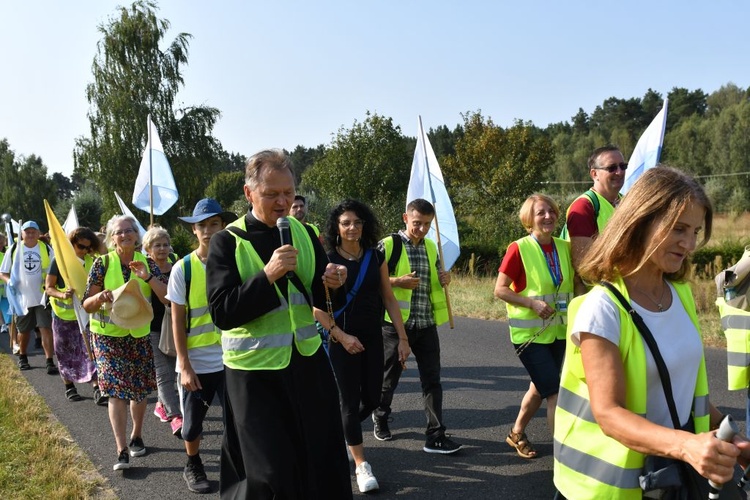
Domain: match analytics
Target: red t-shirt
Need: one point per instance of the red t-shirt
(582, 219)
(512, 265)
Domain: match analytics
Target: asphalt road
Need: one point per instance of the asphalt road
(483, 383)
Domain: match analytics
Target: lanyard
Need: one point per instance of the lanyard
(553, 265)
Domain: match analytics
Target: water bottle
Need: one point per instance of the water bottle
(729, 293)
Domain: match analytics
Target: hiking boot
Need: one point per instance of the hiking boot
(442, 445)
(160, 412)
(137, 449)
(123, 461)
(381, 430)
(195, 477)
(23, 363)
(100, 398)
(176, 424)
(365, 480)
(51, 368)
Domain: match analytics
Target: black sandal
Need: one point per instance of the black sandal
(72, 395)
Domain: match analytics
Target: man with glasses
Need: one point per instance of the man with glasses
(589, 213)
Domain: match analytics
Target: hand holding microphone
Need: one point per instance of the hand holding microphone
(282, 223)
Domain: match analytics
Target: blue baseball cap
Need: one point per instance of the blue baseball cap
(30, 224)
(208, 207)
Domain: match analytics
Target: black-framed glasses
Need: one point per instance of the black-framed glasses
(613, 168)
(83, 247)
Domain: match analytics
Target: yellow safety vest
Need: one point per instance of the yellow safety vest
(736, 325)
(63, 308)
(606, 211)
(265, 343)
(403, 295)
(524, 322)
(43, 252)
(100, 320)
(202, 332)
(589, 464)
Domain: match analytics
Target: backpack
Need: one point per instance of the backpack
(398, 246)
(594, 202)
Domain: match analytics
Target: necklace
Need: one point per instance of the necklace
(350, 256)
(658, 303)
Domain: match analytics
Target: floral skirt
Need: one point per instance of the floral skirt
(125, 366)
(70, 349)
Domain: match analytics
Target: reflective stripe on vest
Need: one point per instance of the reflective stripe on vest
(266, 342)
(63, 308)
(736, 325)
(202, 332)
(524, 322)
(403, 295)
(587, 463)
(100, 320)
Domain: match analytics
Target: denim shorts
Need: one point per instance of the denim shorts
(544, 362)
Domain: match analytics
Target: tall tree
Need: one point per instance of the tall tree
(370, 162)
(496, 170)
(132, 77)
(25, 186)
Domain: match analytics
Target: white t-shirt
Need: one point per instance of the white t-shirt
(26, 274)
(207, 359)
(678, 340)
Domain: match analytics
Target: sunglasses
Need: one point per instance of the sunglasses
(613, 168)
(83, 247)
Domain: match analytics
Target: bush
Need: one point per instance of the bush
(710, 261)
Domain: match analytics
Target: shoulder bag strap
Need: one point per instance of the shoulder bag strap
(357, 284)
(648, 337)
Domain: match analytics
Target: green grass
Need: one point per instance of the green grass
(473, 297)
(38, 458)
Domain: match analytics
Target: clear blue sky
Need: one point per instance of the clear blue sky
(287, 73)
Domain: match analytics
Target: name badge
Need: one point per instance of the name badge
(561, 306)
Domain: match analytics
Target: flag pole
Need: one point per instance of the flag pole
(437, 224)
(150, 175)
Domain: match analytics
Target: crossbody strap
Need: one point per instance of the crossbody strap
(648, 337)
(357, 284)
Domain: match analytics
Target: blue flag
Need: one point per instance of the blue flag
(648, 149)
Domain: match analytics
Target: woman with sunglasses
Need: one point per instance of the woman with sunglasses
(158, 246)
(70, 343)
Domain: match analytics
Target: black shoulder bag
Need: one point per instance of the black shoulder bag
(663, 477)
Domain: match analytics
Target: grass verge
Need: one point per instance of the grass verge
(38, 458)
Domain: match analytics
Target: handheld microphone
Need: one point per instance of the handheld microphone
(286, 237)
(727, 429)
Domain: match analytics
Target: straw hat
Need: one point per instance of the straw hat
(129, 308)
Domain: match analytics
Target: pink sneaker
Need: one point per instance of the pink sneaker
(176, 424)
(160, 412)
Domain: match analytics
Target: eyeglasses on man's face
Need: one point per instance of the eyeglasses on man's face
(613, 168)
(346, 224)
(123, 232)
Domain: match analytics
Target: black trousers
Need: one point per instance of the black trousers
(425, 345)
(360, 380)
(282, 437)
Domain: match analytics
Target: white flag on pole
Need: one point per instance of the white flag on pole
(154, 171)
(71, 222)
(126, 211)
(648, 149)
(427, 182)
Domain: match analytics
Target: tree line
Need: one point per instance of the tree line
(489, 169)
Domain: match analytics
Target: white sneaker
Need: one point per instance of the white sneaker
(16, 348)
(365, 480)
